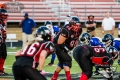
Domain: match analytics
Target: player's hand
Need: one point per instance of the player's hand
(42, 72)
(118, 62)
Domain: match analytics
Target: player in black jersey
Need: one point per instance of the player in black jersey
(35, 52)
(3, 49)
(87, 56)
(65, 41)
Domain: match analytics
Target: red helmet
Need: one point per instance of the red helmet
(3, 14)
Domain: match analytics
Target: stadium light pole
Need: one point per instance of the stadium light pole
(69, 7)
(59, 12)
(59, 15)
(111, 11)
(33, 12)
(85, 15)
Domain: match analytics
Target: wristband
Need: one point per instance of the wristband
(40, 70)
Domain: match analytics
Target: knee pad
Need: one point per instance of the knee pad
(88, 73)
(69, 64)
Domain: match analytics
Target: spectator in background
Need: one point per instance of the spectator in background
(28, 26)
(108, 24)
(91, 25)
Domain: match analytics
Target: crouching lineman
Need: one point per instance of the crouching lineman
(96, 41)
(86, 56)
(35, 52)
(3, 50)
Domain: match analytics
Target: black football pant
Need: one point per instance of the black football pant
(82, 57)
(26, 73)
(63, 57)
(3, 51)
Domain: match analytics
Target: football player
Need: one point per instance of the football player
(65, 41)
(49, 25)
(56, 30)
(3, 50)
(96, 41)
(86, 55)
(34, 53)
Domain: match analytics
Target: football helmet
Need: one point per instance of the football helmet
(47, 23)
(44, 33)
(94, 41)
(75, 24)
(113, 51)
(3, 14)
(108, 39)
(85, 38)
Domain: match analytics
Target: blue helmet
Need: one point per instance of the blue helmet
(116, 44)
(56, 29)
(94, 41)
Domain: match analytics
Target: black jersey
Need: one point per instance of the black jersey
(99, 55)
(30, 54)
(70, 35)
(89, 29)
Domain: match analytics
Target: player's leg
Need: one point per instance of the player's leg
(66, 61)
(2, 59)
(67, 64)
(81, 55)
(32, 74)
(17, 69)
(60, 64)
(52, 60)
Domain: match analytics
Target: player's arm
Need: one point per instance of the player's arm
(48, 49)
(63, 36)
(17, 54)
(42, 58)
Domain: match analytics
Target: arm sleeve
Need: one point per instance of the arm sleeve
(49, 47)
(64, 33)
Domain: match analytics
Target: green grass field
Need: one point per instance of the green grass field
(75, 68)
